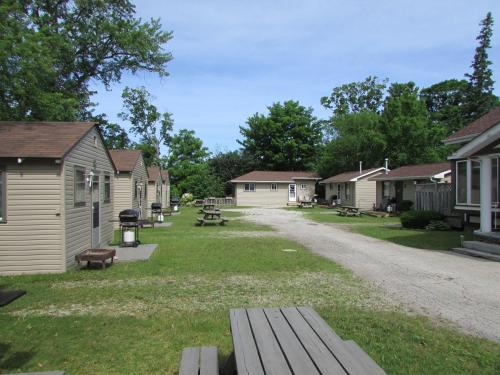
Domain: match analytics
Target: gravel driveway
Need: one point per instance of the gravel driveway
(443, 285)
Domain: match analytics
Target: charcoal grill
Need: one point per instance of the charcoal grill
(129, 221)
(175, 203)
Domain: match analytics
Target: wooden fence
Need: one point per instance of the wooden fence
(436, 197)
(227, 201)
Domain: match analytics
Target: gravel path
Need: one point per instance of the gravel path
(445, 286)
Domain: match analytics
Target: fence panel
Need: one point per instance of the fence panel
(436, 197)
(226, 201)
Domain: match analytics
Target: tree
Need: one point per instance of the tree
(285, 139)
(115, 137)
(228, 165)
(481, 98)
(359, 137)
(51, 50)
(188, 167)
(153, 127)
(411, 137)
(355, 97)
(447, 102)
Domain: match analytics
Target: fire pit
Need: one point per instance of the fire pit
(96, 255)
(129, 228)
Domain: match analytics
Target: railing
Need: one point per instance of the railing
(227, 201)
(435, 197)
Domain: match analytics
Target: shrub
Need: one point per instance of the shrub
(438, 225)
(419, 219)
(405, 205)
(186, 199)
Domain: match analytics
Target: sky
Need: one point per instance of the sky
(235, 58)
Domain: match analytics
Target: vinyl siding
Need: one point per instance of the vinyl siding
(166, 195)
(78, 219)
(122, 194)
(263, 196)
(152, 194)
(31, 239)
(329, 192)
(365, 194)
(306, 194)
(140, 173)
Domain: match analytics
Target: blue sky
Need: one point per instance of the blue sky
(235, 58)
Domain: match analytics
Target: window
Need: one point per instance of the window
(136, 188)
(158, 192)
(79, 187)
(331, 186)
(462, 182)
(386, 189)
(107, 188)
(3, 195)
(338, 191)
(303, 186)
(475, 192)
(274, 187)
(249, 187)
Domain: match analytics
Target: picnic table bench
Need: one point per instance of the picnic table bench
(211, 216)
(306, 204)
(96, 255)
(348, 211)
(294, 340)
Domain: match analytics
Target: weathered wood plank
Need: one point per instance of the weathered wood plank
(190, 361)
(209, 361)
(290, 344)
(271, 355)
(320, 354)
(245, 348)
(371, 366)
(351, 364)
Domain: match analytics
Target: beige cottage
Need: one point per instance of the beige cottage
(56, 194)
(131, 180)
(274, 188)
(155, 187)
(353, 188)
(400, 184)
(166, 188)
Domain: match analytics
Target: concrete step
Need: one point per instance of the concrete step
(482, 246)
(475, 253)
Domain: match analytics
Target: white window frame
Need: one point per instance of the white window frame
(251, 187)
(79, 203)
(469, 183)
(338, 191)
(3, 195)
(274, 186)
(107, 185)
(303, 186)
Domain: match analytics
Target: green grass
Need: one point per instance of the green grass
(387, 229)
(136, 317)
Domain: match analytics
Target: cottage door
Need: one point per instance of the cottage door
(96, 214)
(292, 195)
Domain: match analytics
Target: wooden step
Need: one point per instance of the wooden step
(478, 254)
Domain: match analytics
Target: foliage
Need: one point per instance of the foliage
(405, 205)
(355, 97)
(144, 117)
(440, 225)
(285, 139)
(51, 50)
(481, 98)
(228, 165)
(148, 152)
(419, 219)
(186, 199)
(115, 137)
(358, 137)
(411, 137)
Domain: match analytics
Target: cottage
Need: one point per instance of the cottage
(166, 188)
(400, 184)
(475, 174)
(56, 194)
(130, 181)
(274, 188)
(155, 187)
(353, 188)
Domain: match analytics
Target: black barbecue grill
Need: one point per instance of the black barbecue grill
(129, 220)
(156, 208)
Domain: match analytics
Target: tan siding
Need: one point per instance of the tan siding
(306, 194)
(78, 219)
(31, 240)
(262, 196)
(366, 194)
(151, 196)
(140, 173)
(122, 194)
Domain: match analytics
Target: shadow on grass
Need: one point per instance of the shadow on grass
(13, 360)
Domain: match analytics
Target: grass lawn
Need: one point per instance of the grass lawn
(135, 318)
(386, 229)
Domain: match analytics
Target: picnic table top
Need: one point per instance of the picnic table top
(349, 207)
(294, 340)
(212, 212)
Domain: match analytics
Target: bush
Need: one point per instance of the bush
(419, 219)
(405, 205)
(438, 225)
(186, 199)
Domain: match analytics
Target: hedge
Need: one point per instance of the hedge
(419, 219)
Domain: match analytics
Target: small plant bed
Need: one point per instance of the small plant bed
(147, 312)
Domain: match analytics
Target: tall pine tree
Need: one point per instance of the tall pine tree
(480, 97)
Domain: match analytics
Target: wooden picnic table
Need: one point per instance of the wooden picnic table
(208, 207)
(306, 204)
(349, 211)
(211, 216)
(292, 341)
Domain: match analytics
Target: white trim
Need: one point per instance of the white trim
(249, 187)
(462, 139)
(484, 139)
(354, 179)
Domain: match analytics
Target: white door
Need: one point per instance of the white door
(96, 214)
(292, 194)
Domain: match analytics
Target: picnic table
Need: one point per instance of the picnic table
(306, 204)
(348, 211)
(294, 340)
(208, 207)
(211, 216)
